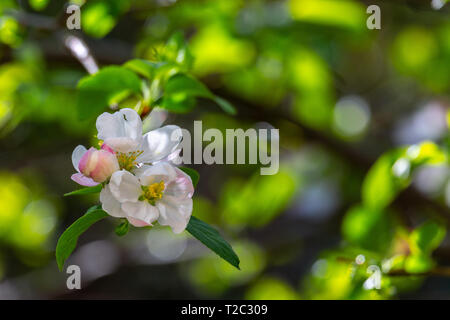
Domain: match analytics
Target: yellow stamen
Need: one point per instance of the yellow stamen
(127, 160)
(152, 192)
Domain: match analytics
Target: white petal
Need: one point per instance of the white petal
(174, 212)
(124, 123)
(155, 119)
(77, 154)
(125, 186)
(142, 211)
(110, 204)
(123, 144)
(160, 143)
(161, 171)
(181, 186)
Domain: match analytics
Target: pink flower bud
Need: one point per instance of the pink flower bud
(98, 164)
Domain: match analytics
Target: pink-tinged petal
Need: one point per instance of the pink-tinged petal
(77, 154)
(82, 166)
(138, 223)
(174, 212)
(107, 148)
(83, 180)
(98, 164)
(181, 187)
(140, 213)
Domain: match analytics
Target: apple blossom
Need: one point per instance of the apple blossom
(93, 166)
(159, 192)
(122, 131)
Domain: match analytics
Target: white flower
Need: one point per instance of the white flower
(122, 131)
(159, 192)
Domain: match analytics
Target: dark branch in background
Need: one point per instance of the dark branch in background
(247, 110)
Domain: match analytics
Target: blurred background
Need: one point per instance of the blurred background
(342, 96)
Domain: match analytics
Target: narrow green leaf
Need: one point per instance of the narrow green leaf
(122, 229)
(68, 240)
(213, 240)
(88, 190)
(106, 87)
(195, 176)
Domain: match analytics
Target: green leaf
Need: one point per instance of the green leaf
(180, 87)
(98, 18)
(418, 263)
(427, 237)
(142, 67)
(177, 51)
(213, 240)
(106, 87)
(88, 190)
(68, 240)
(369, 229)
(122, 229)
(195, 176)
(381, 186)
(39, 5)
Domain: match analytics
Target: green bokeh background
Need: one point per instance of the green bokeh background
(357, 185)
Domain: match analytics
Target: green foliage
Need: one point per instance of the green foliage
(122, 228)
(214, 276)
(257, 201)
(213, 240)
(87, 190)
(195, 176)
(269, 288)
(391, 173)
(99, 17)
(427, 237)
(104, 88)
(68, 240)
(182, 87)
(368, 228)
(381, 185)
(39, 5)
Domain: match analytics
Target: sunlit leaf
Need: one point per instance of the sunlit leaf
(180, 87)
(269, 288)
(39, 4)
(368, 228)
(98, 18)
(176, 50)
(381, 186)
(418, 263)
(143, 67)
(108, 86)
(427, 237)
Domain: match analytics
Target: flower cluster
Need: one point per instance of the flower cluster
(139, 181)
